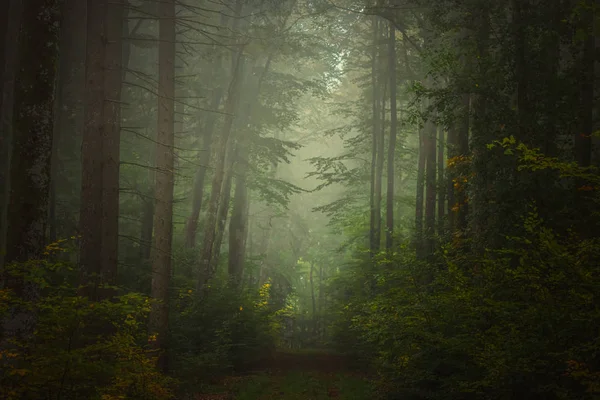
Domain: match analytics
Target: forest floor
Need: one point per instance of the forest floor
(296, 375)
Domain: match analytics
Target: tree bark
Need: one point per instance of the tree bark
(238, 227)
(462, 141)
(420, 194)
(147, 225)
(32, 119)
(68, 122)
(98, 224)
(583, 138)
(8, 58)
(450, 196)
(389, 241)
(441, 190)
(111, 141)
(31, 152)
(313, 299)
(375, 138)
(238, 230)
(90, 220)
(430, 187)
(223, 212)
(163, 216)
(206, 271)
(209, 128)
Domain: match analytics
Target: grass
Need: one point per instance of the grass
(308, 374)
(298, 385)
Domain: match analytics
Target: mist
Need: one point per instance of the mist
(299, 199)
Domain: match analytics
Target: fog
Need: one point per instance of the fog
(299, 199)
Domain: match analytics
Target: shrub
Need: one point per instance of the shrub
(77, 348)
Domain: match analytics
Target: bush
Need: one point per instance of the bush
(226, 331)
(518, 323)
(76, 348)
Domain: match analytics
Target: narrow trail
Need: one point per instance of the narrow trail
(302, 375)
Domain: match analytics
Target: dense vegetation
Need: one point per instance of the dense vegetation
(188, 188)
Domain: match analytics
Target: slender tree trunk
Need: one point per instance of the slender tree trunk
(389, 241)
(238, 227)
(520, 40)
(206, 273)
(420, 194)
(68, 122)
(441, 190)
(223, 212)
(99, 223)
(451, 198)
(31, 153)
(8, 66)
(462, 142)
(204, 159)
(238, 231)
(111, 145)
(4, 12)
(163, 216)
(313, 299)
(430, 187)
(379, 171)
(321, 299)
(375, 137)
(91, 217)
(583, 138)
(147, 226)
(480, 195)
(148, 189)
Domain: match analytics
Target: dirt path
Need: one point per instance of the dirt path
(306, 375)
(315, 360)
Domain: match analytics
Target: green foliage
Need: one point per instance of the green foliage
(226, 331)
(520, 320)
(76, 348)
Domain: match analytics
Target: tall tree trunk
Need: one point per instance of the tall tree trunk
(375, 137)
(430, 186)
(223, 212)
(441, 190)
(148, 189)
(238, 229)
(313, 299)
(462, 143)
(8, 58)
(100, 149)
(206, 273)
(450, 195)
(320, 303)
(111, 142)
(90, 220)
(389, 241)
(583, 138)
(147, 225)
(420, 193)
(68, 122)
(163, 216)
(379, 170)
(238, 226)
(204, 159)
(31, 152)
(481, 188)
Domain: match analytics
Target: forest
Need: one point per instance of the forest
(299, 199)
